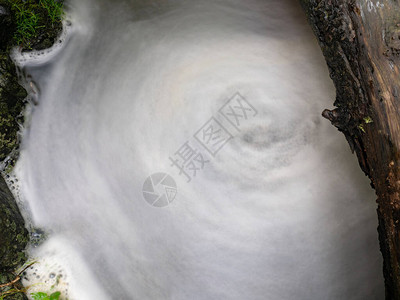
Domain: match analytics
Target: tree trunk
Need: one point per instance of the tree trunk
(360, 40)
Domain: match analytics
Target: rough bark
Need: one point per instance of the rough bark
(360, 40)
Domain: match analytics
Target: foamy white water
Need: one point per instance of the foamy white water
(281, 211)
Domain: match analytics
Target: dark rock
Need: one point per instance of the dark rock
(12, 94)
(13, 234)
(13, 240)
(7, 27)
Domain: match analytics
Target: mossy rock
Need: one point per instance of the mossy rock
(13, 234)
(6, 277)
(48, 15)
(12, 96)
(35, 24)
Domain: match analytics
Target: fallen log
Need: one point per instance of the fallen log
(361, 44)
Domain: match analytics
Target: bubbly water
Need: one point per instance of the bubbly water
(270, 204)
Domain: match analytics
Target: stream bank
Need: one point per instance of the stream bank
(29, 25)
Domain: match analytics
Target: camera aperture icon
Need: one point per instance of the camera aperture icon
(159, 189)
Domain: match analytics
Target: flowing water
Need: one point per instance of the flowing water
(270, 203)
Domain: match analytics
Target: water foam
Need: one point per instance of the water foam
(282, 211)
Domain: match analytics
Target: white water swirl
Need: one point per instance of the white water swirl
(281, 212)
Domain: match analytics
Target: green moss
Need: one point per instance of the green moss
(29, 24)
(361, 127)
(35, 22)
(367, 120)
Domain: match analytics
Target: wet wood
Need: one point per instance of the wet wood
(361, 44)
